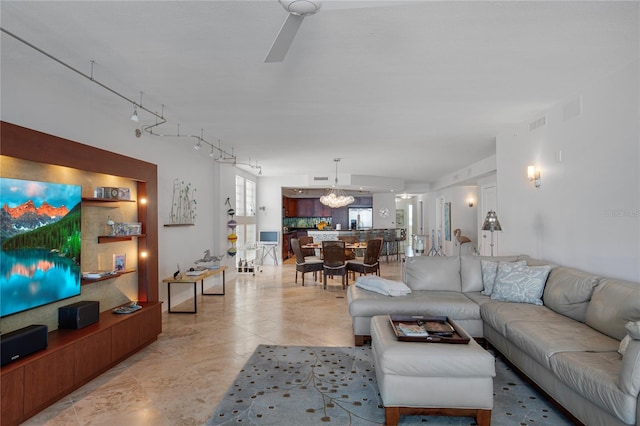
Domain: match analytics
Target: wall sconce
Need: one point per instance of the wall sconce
(533, 174)
(470, 202)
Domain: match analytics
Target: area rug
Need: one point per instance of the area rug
(303, 385)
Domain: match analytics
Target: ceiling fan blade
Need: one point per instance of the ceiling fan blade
(284, 39)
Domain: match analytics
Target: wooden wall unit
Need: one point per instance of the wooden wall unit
(74, 357)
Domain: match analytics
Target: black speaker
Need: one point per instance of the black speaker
(78, 315)
(25, 341)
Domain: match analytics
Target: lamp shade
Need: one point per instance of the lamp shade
(491, 222)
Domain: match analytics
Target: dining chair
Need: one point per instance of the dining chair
(349, 239)
(305, 264)
(370, 264)
(306, 239)
(334, 261)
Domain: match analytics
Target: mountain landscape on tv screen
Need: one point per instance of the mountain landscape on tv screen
(41, 215)
(27, 217)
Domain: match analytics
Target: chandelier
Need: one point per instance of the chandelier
(336, 197)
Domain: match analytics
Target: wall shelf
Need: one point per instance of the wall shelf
(103, 239)
(105, 200)
(86, 281)
(171, 225)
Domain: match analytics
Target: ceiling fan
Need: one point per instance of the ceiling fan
(298, 10)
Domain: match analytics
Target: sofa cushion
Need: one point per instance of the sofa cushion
(432, 273)
(489, 270)
(543, 339)
(498, 315)
(613, 304)
(471, 273)
(594, 376)
(364, 303)
(515, 283)
(568, 292)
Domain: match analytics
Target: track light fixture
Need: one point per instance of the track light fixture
(223, 157)
(134, 116)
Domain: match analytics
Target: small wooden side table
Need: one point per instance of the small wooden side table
(193, 279)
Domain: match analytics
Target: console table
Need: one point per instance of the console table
(193, 280)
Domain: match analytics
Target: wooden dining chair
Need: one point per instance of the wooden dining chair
(334, 261)
(371, 262)
(349, 239)
(305, 264)
(305, 239)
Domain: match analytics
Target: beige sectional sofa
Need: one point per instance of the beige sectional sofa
(568, 345)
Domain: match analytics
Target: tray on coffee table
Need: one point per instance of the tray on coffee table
(427, 329)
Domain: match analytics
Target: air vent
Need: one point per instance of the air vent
(320, 178)
(538, 123)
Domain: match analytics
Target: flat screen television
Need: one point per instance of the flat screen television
(268, 238)
(40, 240)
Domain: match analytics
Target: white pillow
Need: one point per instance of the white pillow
(633, 330)
(489, 272)
(520, 284)
(623, 345)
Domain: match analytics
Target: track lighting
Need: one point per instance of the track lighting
(223, 155)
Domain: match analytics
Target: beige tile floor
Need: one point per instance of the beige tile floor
(180, 378)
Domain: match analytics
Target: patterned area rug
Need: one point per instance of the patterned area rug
(302, 385)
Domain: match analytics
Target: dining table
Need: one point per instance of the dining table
(352, 246)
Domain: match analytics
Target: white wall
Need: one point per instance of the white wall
(387, 201)
(586, 214)
(56, 101)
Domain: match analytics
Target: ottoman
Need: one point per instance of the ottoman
(431, 378)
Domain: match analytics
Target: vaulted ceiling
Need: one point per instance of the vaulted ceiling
(409, 90)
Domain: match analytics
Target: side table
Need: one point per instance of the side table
(193, 280)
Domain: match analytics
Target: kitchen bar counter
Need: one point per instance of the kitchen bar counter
(391, 238)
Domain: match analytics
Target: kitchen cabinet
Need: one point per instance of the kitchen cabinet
(305, 207)
(289, 205)
(320, 210)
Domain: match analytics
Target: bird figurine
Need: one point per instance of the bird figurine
(208, 258)
(461, 239)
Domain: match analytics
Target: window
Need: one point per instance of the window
(245, 197)
(239, 196)
(246, 217)
(250, 198)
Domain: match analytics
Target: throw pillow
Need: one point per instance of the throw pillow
(489, 272)
(623, 345)
(633, 330)
(520, 284)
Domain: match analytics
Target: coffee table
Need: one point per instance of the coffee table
(431, 378)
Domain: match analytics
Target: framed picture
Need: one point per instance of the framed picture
(124, 194)
(119, 262)
(447, 221)
(400, 218)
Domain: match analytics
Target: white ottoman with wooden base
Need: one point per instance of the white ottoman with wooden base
(431, 378)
